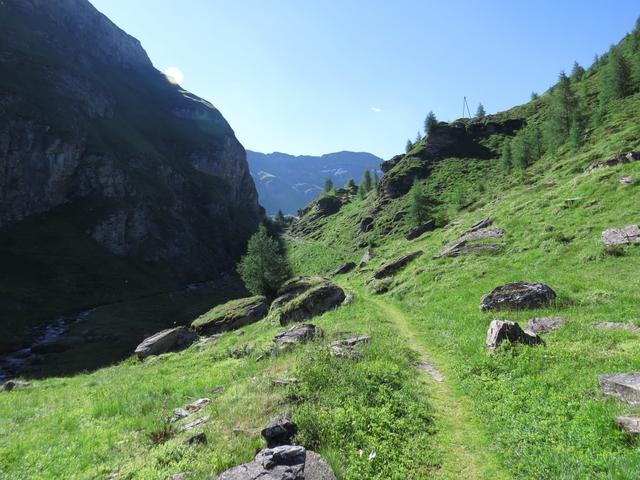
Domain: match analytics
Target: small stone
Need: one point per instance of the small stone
(366, 258)
(13, 385)
(621, 236)
(501, 330)
(195, 423)
(518, 295)
(346, 268)
(347, 347)
(280, 430)
(198, 439)
(391, 268)
(629, 424)
(626, 180)
(298, 334)
(625, 386)
(546, 324)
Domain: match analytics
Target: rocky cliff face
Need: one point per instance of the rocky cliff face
(95, 139)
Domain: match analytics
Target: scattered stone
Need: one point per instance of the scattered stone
(169, 340)
(298, 334)
(485, 222)
(287, 462)
(420, 230)
(501, 330)
(232, 315)
(303, 298)
(217, 390)
(391, 268)
(518, 295)
(180, 476)
(188, 410)
(280, 430)
(346, 268)
(626, 180)
(285, 382)
(14, 384)
(621, 236)
(462, 248)
(492, 232)
(630, 425)
(347, 347)
(625, 386)
(426, 366)
(198, 439)
(630, 327)
(545, 324)
(195, 423)
(348, 299)
(617, 159)
(366, 258)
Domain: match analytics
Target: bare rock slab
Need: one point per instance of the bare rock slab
(280, 430)
(348, 347)
(501, 330)
(630, 425)
(617, 159)
(303, 298)
(546, 324)
(518, 295)
(625, 386)
(232, 315)
(621, 236)
(13, 385)
(287, 462)
(346, 268)
(420, 230)
(298, 334)
(484, 223)
(391, 268)
(169, 340)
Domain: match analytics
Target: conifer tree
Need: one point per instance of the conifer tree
(361, 192)
(480, 112)
(279, 218)
(534, 96)
(264, 268)
(418, 138)
(561, 112)
(615, 80)
(506, 159)
(328, 185)
(408, 146)
(419, 204)
(351, 183)
(366, 181)
(577, 72)
(376, 180)
(430, 122)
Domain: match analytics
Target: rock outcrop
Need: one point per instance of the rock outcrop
(348, 347)
(617, 159)
(280, 430)
(625, 386)
(98, 144)
(232, 315)
(621, 236)
(169, 340)
(518, 295)
(391, 268)
(346, 268)
(501, 330)
(298, 334)
(420, 230)
(303, 298)
(464, 245)
(630, 327)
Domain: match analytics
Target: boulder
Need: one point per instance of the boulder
(169, 340)
(346, 268)
(304, 298)
(625, 386)
(197, 439)
(287, 462)
(232, 315)
(630, 327)
(298, 334)
(461, 246)
(391, 268)
(617, 159)
(195, 423)
(13, 385)
(485, 222)
(280, 430)
(366, 257)
(630, 425)
(501, 330)
(188, 410)
(347, 347)
(621, 236)
(420, 229)
(518, 295)
(328, 205)
(366, 224)
(545, 324)
(627, 180)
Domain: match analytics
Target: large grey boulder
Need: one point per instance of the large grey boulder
(169, 340)
(298, 334)
(391, 268)
(518, 295)
(303, 298)
(625, 386)
(287, 462)
(280, 430)
(232, 315)
(621, 236)
(501, 330)
(420, 230)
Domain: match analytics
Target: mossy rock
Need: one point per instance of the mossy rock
(231, 315)
(303, 298)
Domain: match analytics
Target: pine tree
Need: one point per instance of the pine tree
(419, 204)
(351, 184)
(361, 192)
(430, 122)
(534, 96)
(408, 146)
(615, 81)
(506, 159)
(577, 72)
(418, 138)
(561, 112)
(328, 185)
(376, 180)
(264, 268)
(279, 218)
(480, 112)
(366, 181)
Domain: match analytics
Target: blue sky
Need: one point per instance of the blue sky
(312, 77)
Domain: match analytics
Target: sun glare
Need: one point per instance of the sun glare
(174, 75)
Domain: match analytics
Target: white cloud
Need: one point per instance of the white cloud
(376, 109)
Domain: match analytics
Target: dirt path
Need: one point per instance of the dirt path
(465, 447)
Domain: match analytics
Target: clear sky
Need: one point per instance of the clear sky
(313, 77)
